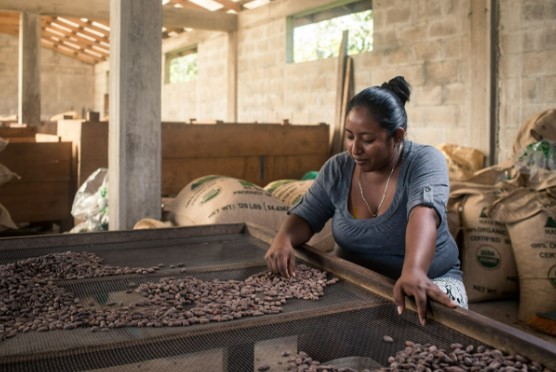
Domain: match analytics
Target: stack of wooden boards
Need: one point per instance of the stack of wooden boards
(51, 172)
(255, 152)
(44, 191)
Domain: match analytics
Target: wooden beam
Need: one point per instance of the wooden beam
(185, 4)
(81, 29)
(200, 19)
(230, 5)
(88, 24)
(63, 8)
(73, 33)
(166, 33)
(82, 42)
(82, 57)
(9, 30)
(99, 10)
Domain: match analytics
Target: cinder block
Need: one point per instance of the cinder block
(443, 72)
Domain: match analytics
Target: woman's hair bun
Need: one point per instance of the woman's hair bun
(399, 87)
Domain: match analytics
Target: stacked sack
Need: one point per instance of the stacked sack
(529, 213)
(487, 258)
(6, 175)
(530, 216)
(505, 218)
(218, 200)
(290, 192)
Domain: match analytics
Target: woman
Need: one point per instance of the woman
(387, 197)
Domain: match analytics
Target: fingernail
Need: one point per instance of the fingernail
(400, 310)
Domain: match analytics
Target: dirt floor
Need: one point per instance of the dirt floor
(506, 312)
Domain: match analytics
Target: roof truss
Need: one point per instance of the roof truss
(88, 39)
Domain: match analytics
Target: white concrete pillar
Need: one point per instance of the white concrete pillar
(134, 150)
(29, 75)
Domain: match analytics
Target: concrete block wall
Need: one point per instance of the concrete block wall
(66, 83)
(427, 41)
(430, 42)
(424, 41)
(527, 83)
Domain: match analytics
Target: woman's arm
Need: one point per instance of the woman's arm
(280, 257)
(419, 253)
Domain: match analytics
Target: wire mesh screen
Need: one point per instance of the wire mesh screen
(191, 304)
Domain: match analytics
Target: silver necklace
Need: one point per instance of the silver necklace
(375, 214)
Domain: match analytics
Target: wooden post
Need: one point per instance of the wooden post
(335, 127)
(481, 74)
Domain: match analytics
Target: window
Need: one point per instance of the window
(181, 65)
(317, 34)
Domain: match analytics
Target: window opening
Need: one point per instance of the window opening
(182, 65)
(317, 34)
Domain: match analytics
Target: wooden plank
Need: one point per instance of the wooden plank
(39, 161)
(340, 78)
(12, 133)
(192, 151)
(177, 173)
(90, 146)
(44, 192)
(245, 140)
(480, 76)
(100, 9)
(36, 201)
(346, 96)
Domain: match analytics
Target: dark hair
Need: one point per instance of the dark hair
(386, 103)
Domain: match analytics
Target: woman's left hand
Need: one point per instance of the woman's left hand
(416, 284)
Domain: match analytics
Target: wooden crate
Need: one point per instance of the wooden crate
(89, 146)
(18, 134)
(45, 191)
(259, 153)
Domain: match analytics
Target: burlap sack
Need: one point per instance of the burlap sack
(151, 223)
(502, 176)
(488, 263)
(487, 259)
(275, 184)
(540, 126)
(3, 144)
(290, 192)
(530, 218)
(454, 209)
(6, 221)
(462, 161)
(218, 199)
(6, 175)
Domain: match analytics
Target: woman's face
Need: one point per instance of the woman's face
(369, 145)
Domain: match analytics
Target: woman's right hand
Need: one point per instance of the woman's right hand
(280, 257)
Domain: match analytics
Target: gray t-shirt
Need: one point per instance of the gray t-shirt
(379, 243)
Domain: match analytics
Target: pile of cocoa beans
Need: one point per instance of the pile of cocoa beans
(429, 358)
(32, 297)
